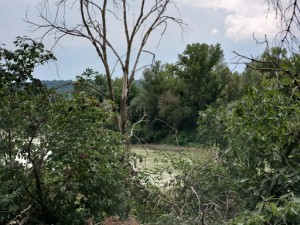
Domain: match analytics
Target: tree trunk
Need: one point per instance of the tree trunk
(123, 105)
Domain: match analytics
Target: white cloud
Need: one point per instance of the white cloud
(240, 27)
(214, 31)
(244, 18)
(236, 6)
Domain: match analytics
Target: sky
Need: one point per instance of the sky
(232, 23)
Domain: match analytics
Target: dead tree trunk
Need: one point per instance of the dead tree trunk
(138, 19)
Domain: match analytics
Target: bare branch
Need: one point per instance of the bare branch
(287, 14)
(23, 215)
(138, 122)
(199, 203)
(96, 89)
(174, 129)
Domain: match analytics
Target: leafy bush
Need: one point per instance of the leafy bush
(259, 139)
(285, 210)
(58, 162)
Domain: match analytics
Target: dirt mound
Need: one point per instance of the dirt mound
(115, 220)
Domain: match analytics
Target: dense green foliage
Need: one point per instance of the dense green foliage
(173, 94)
(258, 137)
(59, 164)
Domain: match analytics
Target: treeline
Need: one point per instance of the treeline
(61, 86)
(167, 100)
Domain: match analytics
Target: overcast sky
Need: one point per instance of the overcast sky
(231, 23)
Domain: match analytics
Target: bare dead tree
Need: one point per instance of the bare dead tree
(137, 20)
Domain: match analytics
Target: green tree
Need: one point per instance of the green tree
(157, 95)
(21, 117)
(199, 77)
(174, 93)
(154, 84)
(203, 74)
(93, 84)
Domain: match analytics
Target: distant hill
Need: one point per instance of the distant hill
(66, 86)
(61, 86)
